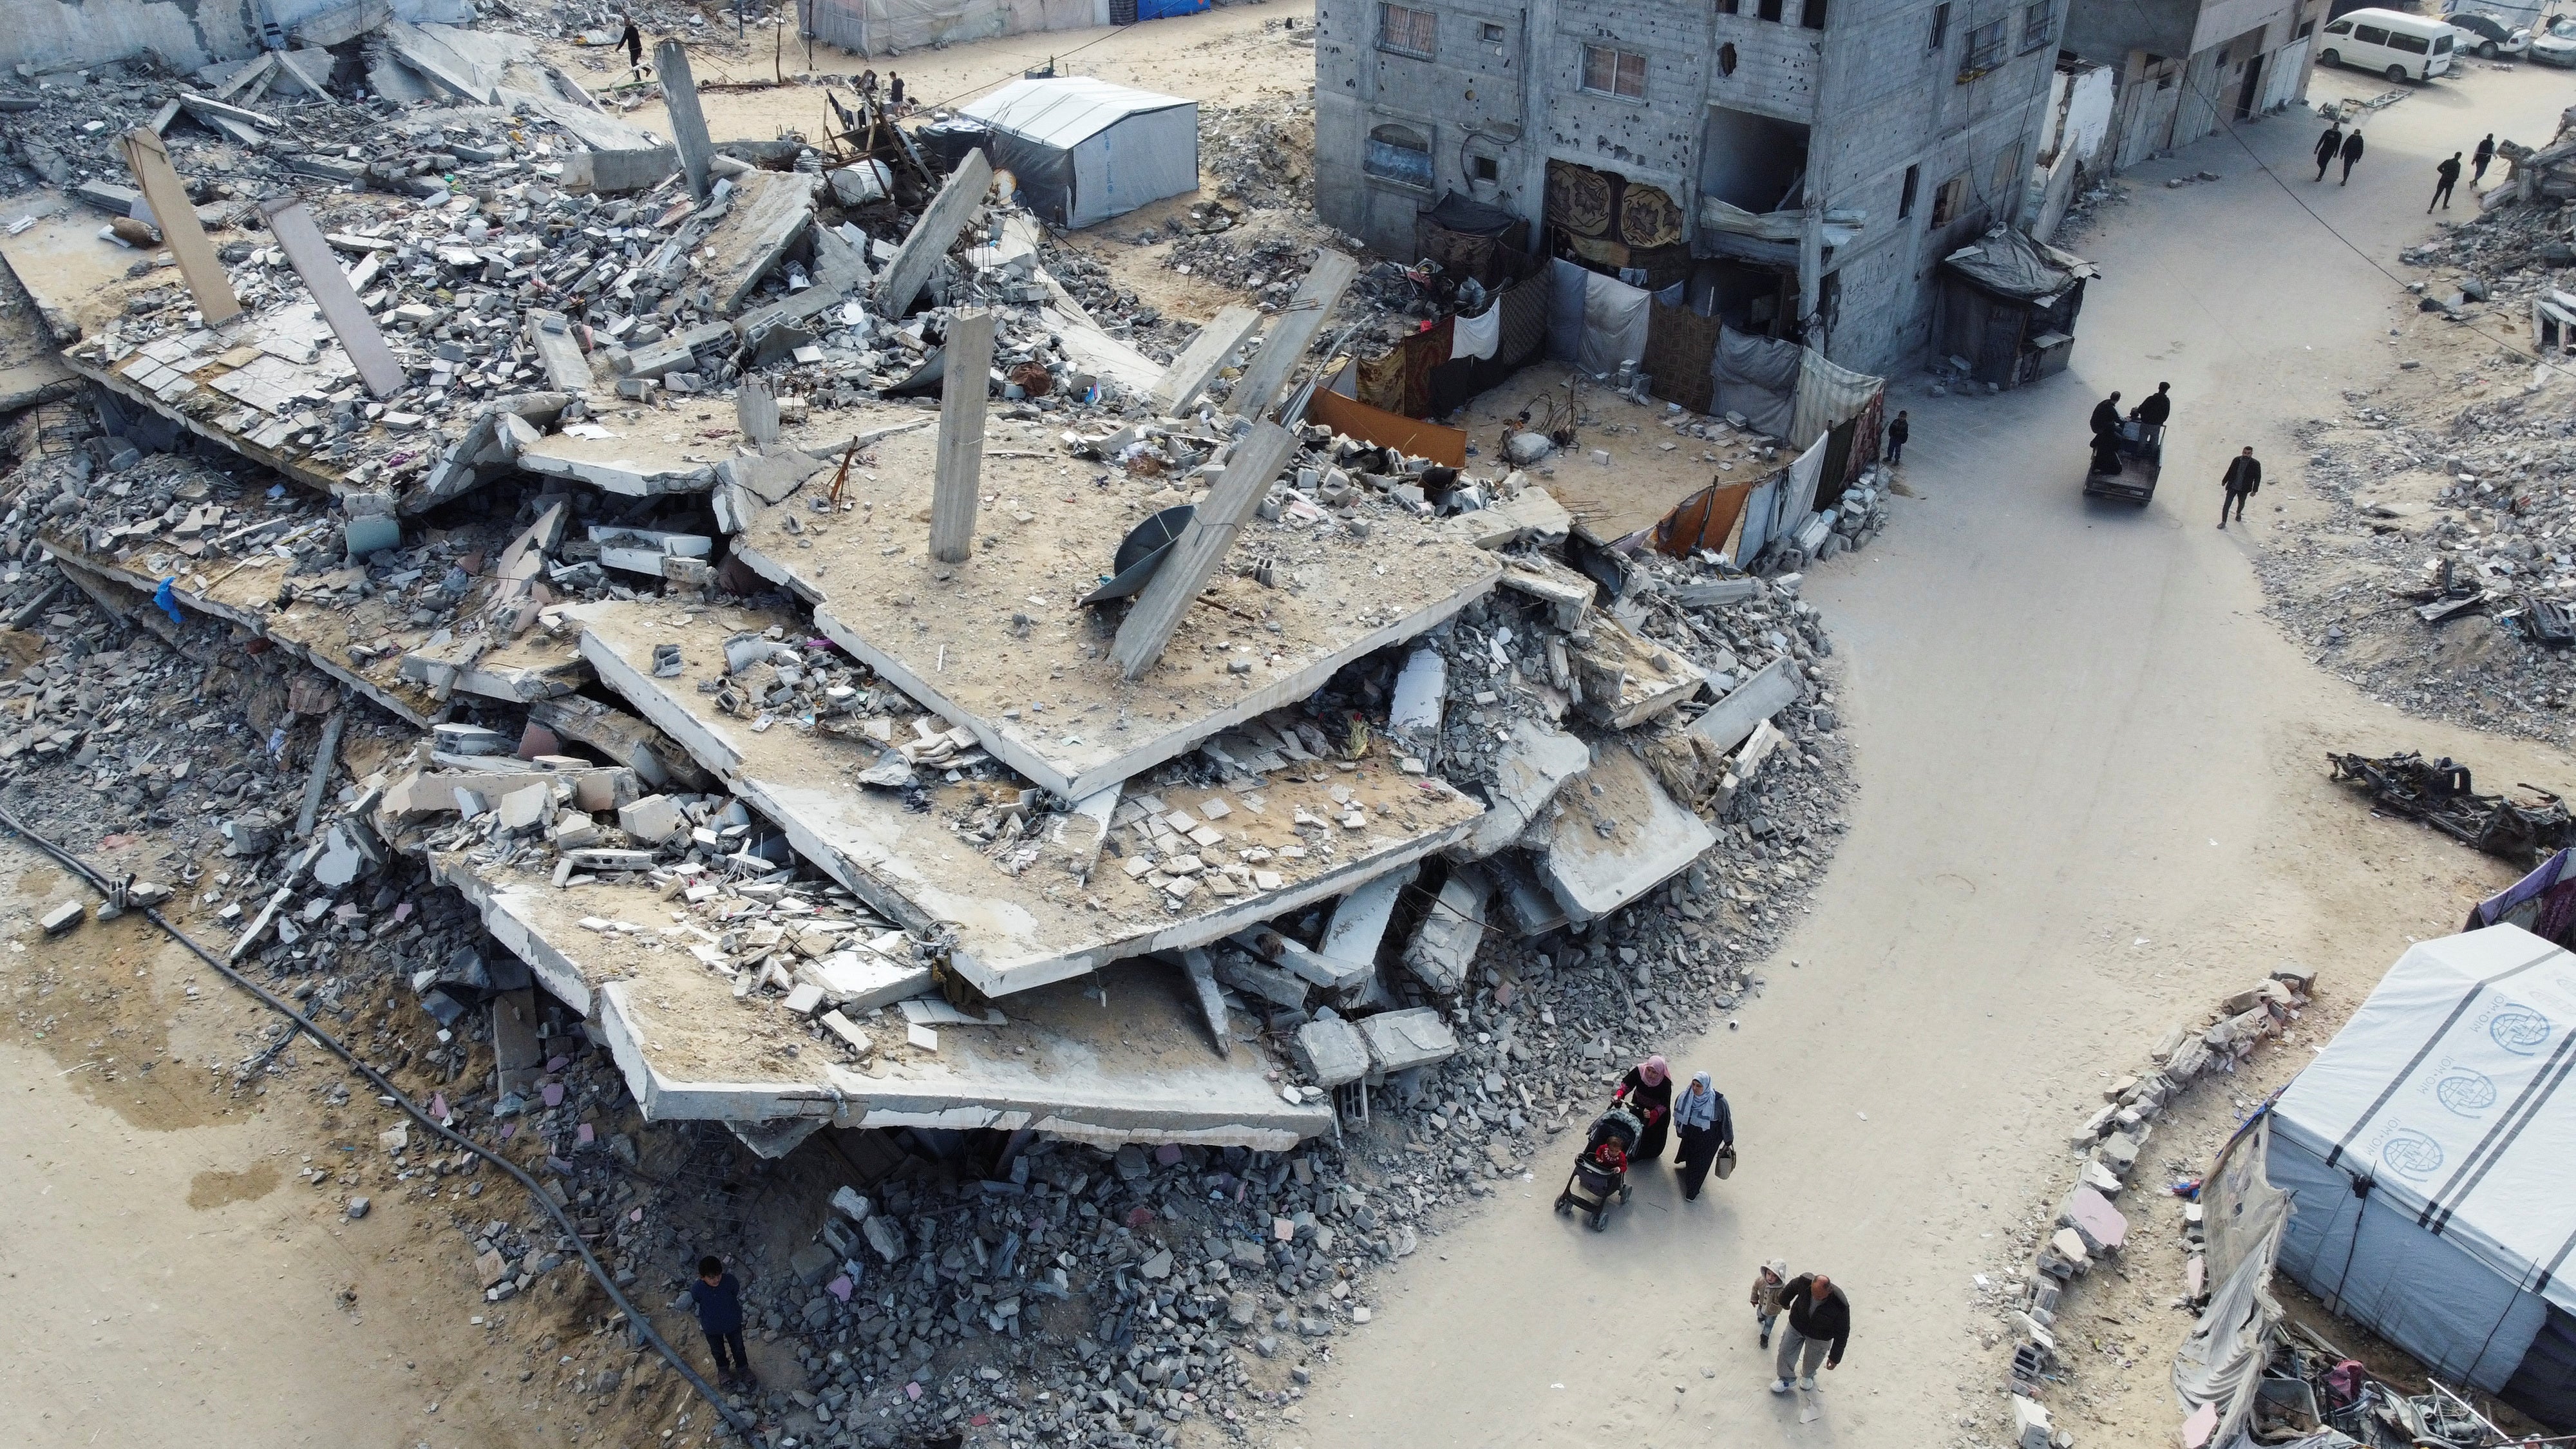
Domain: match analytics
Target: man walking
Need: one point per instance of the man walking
(2449, 172)
(2329, 146)
(2351, 153)
(1897, 432)
(2244, 475)
(2479, 162)
(2156, 409)
(718, 1299)
(1818, 1328)
(633, 40)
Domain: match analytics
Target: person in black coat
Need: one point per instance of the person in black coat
(1648, 1088)
(2483, 158)
(2244, 475)
(1897, 432)
(1703, 1125)
(2156, 409)
(1819, 1328)
(2448, 174)
(2351, 153)
(2329, 146)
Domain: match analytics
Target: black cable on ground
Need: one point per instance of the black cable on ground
(732, 1419)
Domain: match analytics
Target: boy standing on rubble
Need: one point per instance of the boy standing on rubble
(718, 1299)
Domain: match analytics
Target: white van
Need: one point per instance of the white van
(2397, 45)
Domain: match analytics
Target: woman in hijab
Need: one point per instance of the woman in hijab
(1648, 1088)
(1704, 1125)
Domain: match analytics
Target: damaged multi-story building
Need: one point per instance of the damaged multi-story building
(2185, 68)
(1799, 167)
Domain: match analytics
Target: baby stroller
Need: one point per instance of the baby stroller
(1602, 1169)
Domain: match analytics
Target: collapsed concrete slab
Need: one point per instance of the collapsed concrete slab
(620, 462)
(1532, 766)
(770, 210)
(998, 645)
(368, 643)
(1627, 678)
(1444, 949)
(1619, 837)
(1727, 723)
(1040, 903)
(1116, 1059)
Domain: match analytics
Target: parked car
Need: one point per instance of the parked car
(2555, 43)
(2397, 45)
(2489, 36)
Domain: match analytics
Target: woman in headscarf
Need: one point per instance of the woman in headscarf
(1648, 1087)
(1704, 1125)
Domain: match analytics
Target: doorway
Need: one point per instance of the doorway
(2249, 97)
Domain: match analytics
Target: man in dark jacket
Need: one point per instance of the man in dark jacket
(2244, 475)
(2351, 153)
(2106, 435)
(2449, 174)
(2329, 146)
(718, 1299)
(2484, 157)
(2156, 409)
(1897, 433)
(1819, 1327)
(633, 40)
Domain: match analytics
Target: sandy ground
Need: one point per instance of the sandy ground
(2092, 800)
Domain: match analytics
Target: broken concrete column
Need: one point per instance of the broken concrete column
(149, 159)
(755, 409)
(291, 222)
(517, 1052)
(688, 121)
(1207, 354)
(1167, 598)
(964, 386)
(928, 241)
(1444, 950)
(559, 352)
(1292, 334)
(1202, 973)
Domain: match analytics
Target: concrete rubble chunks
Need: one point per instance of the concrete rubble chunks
(2102, 1226)
(1331, 1051)
(559, 352)
(1730, 721)
(62, 916)
(2031, 1428)
(2064, 1255)
(291, 223)
(1255, 978)
(1011, 931)
(769, 211)
(1420, 688)
(1200, 968)
(517, 1052)
(652, 818)
(1531, 516)
(967, 363)
(1618, 838)
(149, 159)
(1628, 679)
(862, 980)
(1529, 769)
(1150, 621)
(1443, 950)
(1295, 330)
(1360, 920)
(930, 236)
(1567, 593)
(1208, 352)
(1399, 1041)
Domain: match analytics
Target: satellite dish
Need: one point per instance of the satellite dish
(1141, 552)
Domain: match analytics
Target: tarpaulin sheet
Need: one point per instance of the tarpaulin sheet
(1166, 9)
(1759, 506)
(2446, 1101)
(1085, 150)
(1798, 494)
(1827, 395)
(1757, 377)
(2221, 1362)
(1375, 425)
(2543, 902)
(1524, 308)
(1566, 284)
(2009, 264)
(1615, 318)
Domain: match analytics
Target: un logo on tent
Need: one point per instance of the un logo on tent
(2519, 1030)
(2411, 1153)
(2465, 1092)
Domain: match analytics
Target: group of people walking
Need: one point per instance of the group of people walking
(1700, 1119)
(2345, 146)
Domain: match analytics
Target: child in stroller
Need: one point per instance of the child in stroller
(1601, 1170)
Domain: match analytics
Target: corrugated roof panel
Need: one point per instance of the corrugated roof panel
(1065, 111)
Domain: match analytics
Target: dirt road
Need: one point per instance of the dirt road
(2092, 800)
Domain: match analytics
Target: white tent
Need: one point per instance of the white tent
(2430, 1152)
(1084, 150)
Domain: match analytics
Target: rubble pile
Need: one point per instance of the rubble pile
(2085, 1230)
(536, 526)
(1255, 150)
(2440, 580)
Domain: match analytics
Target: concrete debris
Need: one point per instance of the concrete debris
(530, 622)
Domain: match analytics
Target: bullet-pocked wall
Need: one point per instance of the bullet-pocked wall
(1924, 116)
